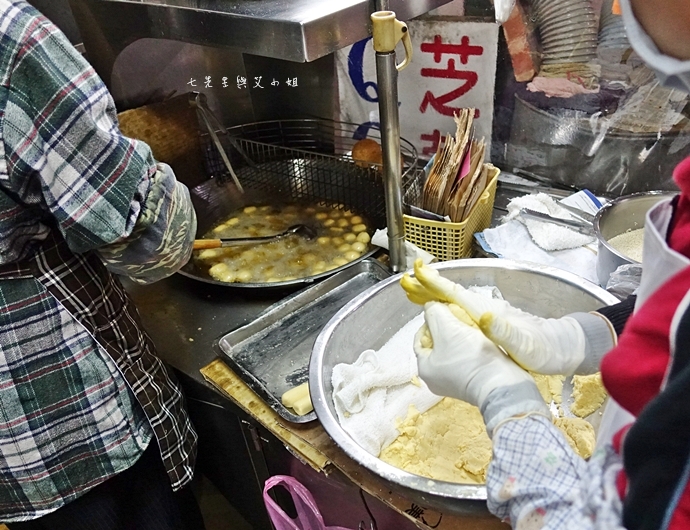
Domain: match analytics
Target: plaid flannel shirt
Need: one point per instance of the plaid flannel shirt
(535, 480)
(81, 393)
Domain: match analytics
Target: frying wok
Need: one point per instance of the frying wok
(218, 203)
(306, 162)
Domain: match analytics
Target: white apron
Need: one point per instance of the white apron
(659, 263)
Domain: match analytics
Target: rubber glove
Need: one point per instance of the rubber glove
(571, 344)
(457, 360)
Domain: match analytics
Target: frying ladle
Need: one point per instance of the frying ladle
(301, 230)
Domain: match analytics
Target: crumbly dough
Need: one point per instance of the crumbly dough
(449, 441)
(579, 433)
(550, 387)
(432, 445)
(588, 394)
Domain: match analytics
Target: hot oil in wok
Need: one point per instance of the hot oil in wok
(342, 236)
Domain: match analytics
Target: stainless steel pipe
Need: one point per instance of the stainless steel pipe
(387, 79)
(387, 33)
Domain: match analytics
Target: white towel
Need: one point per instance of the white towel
(512, 240)
(412, 251)
(372, 394)
(548, 236)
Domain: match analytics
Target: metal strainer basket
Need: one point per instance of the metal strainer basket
(309, 160)
(291, 161)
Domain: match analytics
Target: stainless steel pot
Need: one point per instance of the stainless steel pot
(374, 316)
(616, 217)
(565, 146)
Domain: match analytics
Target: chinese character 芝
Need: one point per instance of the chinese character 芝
(207, 82)
(469, 78)
(241, 82)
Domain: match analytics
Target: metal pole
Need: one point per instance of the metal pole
(387, 79)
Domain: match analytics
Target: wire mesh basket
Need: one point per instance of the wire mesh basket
(449, 241)
(310, 160)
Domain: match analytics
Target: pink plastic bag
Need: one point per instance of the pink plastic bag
(308, 514)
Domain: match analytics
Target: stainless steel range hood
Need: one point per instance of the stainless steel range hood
(294, 30)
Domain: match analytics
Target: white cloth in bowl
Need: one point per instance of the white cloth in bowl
(373, 393)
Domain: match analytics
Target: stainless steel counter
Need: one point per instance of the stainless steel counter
(185, 318)
(236, 452)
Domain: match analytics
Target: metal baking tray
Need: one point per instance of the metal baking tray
(271, 354)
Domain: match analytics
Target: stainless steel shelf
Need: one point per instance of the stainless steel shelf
(293, 30)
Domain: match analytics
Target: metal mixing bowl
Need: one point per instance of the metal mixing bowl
(374, 316)
(620, 215)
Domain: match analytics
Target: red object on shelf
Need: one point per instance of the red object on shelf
(522, 44)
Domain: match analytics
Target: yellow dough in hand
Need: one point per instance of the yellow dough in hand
(298, 399)
(462, 315)
(415, 291)
(588, 394)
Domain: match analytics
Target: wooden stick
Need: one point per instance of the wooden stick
(200, 244)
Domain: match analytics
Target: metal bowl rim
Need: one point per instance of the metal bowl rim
(458, 491)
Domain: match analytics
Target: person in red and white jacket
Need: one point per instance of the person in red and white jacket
(639, 477)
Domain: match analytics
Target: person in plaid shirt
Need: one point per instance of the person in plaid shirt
(93, 428)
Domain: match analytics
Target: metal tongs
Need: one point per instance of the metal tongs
(198, 100)
(304, 231)
(581, 225)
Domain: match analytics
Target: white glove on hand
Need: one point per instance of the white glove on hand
(462, 363)
(541, 345)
